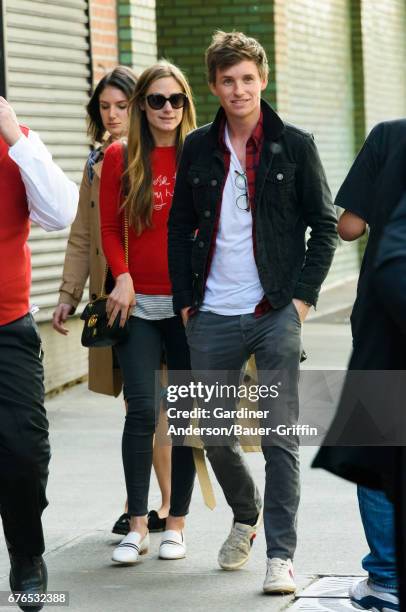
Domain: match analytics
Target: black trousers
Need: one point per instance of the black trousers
(24, 444)
(140, 357)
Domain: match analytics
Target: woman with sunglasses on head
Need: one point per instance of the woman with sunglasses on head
(107, 113)
(161, 115)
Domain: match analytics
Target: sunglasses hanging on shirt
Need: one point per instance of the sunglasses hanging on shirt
(242, 201)
(158, 101)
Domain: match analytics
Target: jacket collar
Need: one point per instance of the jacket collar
(97, 167)
(273, 124)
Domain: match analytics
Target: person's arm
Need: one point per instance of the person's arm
(52, 198)
(110, 217)
(319, 215)
(122, 298)
(350, 226)
(77, 260)
(182, 223)
(356, 194)
(77, 257)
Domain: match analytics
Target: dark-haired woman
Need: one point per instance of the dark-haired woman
(161, 115)
(107, 112)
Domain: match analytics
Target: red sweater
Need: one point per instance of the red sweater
(147, 253)
(15, 266)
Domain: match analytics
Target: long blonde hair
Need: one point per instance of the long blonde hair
(139, 200)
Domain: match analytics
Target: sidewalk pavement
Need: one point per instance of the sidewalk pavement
(86, 494)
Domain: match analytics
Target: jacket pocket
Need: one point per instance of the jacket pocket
(200, 183)
(282, 176)
(280, 196)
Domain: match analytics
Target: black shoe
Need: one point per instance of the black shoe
(28, 575)
(155, 523)
(122, 525)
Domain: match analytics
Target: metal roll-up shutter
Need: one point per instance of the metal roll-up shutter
(48, 84)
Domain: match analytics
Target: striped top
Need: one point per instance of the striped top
(153, 307)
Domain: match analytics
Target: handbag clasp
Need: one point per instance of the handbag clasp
(92, 320)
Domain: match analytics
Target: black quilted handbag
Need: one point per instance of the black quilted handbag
(96, 332)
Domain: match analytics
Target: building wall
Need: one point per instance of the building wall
(309, 46)
(65, 359)
(137, 33)
(314, 89)
(185, 28)
(337, 67)
(384, 54)
(103, 36)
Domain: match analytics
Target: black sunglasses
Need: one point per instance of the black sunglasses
(158, 101)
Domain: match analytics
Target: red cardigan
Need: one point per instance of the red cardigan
(147, 257)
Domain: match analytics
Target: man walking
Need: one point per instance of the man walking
(31, 187)
(251, 185)
(373, 193)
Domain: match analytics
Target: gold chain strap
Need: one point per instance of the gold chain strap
(126, 237)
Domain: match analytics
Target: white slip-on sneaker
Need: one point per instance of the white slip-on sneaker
(279, 576)
(131, 547)
(172, 545)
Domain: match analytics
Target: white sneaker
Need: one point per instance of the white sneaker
(236, 549)
(129, 548)
(172, 545)
(364, 597)
(279, 576)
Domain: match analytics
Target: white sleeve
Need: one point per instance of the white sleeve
(52, 197)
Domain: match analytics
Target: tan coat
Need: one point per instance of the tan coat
(83, 259)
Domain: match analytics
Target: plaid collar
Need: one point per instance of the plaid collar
(95, 156)
(256, 139)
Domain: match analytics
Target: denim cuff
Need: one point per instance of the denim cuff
(382, 587)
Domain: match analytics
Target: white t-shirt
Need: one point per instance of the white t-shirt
(233, 286)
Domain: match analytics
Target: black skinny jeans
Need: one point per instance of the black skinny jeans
(140, 357)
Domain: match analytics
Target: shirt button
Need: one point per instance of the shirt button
(201, 244)
(94, 296)
(279, 176)
(196, 180)
(97, 251)
(213, 182)
(92, 204)
(207, 214)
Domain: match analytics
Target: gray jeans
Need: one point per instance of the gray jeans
(220, 342)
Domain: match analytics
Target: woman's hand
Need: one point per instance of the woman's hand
(59, 317)
(121, 299)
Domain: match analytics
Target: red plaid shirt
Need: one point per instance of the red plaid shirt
(252, 156)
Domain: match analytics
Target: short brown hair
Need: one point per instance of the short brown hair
(230, 48)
